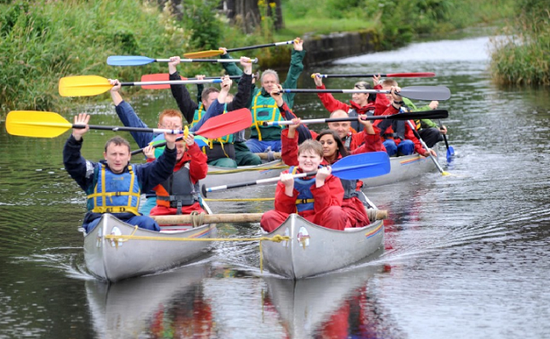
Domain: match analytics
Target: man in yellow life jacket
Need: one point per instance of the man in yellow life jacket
(114, 185)
(264, 108)
(230, 150)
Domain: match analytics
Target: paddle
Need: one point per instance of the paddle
(388, 75)
(450, 149)
(234, 218)
(439, 93)
(210, 53)
(433, 114)
(136, 60)
(352, 167)
(49, 125)
(88, 85)
(426, 148)
(165, 77)
(218, 126)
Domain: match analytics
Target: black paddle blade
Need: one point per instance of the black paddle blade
(434, 114)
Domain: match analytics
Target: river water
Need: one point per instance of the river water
(466, 254)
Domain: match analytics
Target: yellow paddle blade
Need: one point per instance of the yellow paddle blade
(202, 54)
(36, 124)
(83, 85)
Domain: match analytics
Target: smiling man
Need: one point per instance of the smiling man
(263, 107)
(113, 185)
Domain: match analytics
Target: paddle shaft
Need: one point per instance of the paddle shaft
(444, 136)
(251, 183)
(130, 129)
(439, 93)
(260, 46)
(436, 163)
(400, 116)
(173, 82)
(388, 75)
(254, 61)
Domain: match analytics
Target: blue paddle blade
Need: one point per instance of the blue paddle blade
(450, 153)
(128, 60)
(360, 166)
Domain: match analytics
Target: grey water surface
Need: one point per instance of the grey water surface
(466, 254)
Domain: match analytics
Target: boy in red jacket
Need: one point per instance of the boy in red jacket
(316, 198)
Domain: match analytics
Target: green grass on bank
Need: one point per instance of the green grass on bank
(522, 55)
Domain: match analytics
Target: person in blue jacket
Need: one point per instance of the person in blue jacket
(114, 185)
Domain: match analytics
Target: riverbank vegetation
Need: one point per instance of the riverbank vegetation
(522, 54)
(44, 40)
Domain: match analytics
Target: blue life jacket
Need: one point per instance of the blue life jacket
(304, 201)
(114, 193)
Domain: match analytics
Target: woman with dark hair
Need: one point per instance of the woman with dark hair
(333, 150)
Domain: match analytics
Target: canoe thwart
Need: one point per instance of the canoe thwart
(269, 156)
(199, 219)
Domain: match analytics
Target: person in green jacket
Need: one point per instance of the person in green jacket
(263, 107)
(428, 130)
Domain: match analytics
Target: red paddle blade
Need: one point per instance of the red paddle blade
(411, 75)
(157, 77)
(228, 123)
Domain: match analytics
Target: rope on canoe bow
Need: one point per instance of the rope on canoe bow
(124, 238)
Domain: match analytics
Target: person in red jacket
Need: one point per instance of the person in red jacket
(361, 103)
(398, 135)
(334, 150)
(178, 195)
(316, 198)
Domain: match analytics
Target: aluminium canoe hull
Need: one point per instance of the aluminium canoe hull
(403, 168)
(114, 260)
(219, 176)
(313, 249)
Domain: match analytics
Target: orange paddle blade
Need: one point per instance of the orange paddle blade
(203, 54)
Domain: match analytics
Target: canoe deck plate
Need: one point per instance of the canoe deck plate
(303, 237)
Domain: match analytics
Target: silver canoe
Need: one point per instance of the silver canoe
(117, 259)
(403, 168)
(218, 176)
(314, 249)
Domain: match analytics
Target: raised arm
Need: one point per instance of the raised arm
(294, 71)
(183, 99)
(128, 116)
(244, 91)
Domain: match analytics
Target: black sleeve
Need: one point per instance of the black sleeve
(183, 99)
(242, 98)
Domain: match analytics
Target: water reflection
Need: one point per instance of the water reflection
(167, 305)
(337, 305)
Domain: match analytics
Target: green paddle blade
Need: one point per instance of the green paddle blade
(36, 124)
